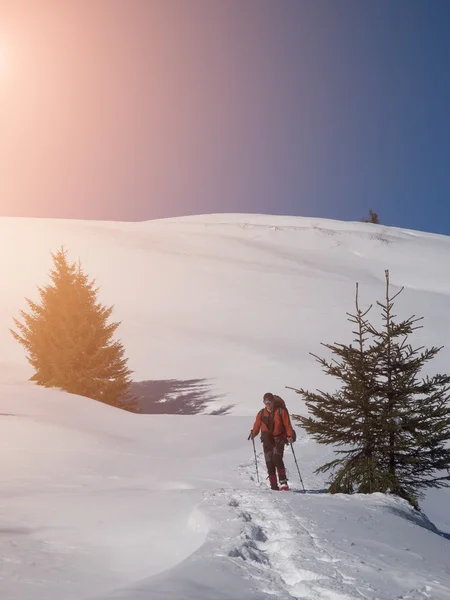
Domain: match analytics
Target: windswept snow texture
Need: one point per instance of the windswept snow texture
(98, 504)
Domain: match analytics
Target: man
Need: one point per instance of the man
(276, 431)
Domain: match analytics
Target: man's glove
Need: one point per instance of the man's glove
(251, 436)
(290, 440)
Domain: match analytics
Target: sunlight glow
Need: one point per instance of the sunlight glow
(5, 55)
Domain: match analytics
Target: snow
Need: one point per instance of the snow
(98, 503)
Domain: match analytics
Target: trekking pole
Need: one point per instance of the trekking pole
(295, 458)
(254, 450)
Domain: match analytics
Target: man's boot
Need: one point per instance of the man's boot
(273, 482)
(283, 479)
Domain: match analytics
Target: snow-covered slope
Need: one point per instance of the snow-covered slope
(237, 300)
(98, 503)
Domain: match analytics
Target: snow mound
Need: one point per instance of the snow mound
(95, 497)
(311, 546)
(99, 503)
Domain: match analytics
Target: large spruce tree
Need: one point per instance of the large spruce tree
(415, 417)
(392, 427)
(69, 341)
(348, 418)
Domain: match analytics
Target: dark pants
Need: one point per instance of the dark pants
(273, 453)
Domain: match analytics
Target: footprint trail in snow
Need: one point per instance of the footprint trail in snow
(277, 547)
(315, 546)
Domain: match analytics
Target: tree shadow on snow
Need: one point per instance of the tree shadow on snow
(176, 397)
(419, 518)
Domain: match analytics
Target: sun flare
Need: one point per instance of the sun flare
(4, 57)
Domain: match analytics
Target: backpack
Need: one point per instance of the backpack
(280, 405)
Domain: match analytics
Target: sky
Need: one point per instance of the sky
(144, 109)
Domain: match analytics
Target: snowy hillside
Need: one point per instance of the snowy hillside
(98, 503)
(236, 300)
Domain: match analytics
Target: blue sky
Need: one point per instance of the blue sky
(137, 110)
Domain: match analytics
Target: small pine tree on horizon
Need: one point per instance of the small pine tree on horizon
(373, 218)
(392, 428)
(69, 339)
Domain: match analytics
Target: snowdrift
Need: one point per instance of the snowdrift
(98, 504)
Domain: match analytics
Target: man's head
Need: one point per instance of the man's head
(268, 400)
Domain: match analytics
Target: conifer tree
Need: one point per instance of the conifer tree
(69, 341)
(349, 417)
(373, 218)
(415, 417)
(394, 426)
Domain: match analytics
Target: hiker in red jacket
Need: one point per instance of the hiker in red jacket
(276, 430)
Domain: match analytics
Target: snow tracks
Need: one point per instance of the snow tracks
(283, 551)
(319, 547)
(273, 546)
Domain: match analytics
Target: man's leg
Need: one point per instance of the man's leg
(268, 447)
(278, 452)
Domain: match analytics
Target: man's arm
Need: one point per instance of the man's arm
(287, 423)
(256, 425)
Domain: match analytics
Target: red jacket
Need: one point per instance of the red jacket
(281, 423)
